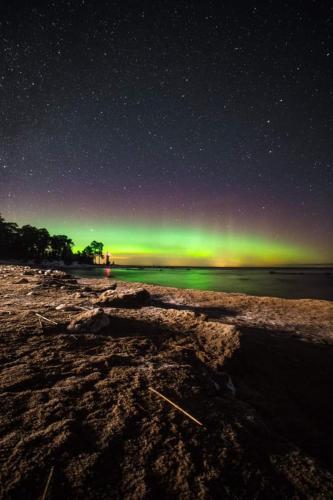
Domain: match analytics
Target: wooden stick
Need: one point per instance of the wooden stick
(46, 319)
(48, 483)
(175, 406)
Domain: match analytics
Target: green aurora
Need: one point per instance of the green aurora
(174, 245)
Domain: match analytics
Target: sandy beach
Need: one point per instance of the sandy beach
(86, 365)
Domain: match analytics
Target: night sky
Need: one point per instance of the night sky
(175, 132)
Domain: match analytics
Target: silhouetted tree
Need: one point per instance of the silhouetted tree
(61, 247)
(43, 243)
(29, 242)
(97, 249)
(87, 255)
(9, 239)
(88, 251)
(34, 242)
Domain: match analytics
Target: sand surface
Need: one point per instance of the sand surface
(77, 406)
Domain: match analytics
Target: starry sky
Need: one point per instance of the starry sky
(190, 133)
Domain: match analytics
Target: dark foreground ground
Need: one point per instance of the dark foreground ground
(76, 405)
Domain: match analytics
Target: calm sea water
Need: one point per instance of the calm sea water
(287, 283)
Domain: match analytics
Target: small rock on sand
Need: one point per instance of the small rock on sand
(129, 298)
(62, 275)
(101, 289)
(89, 321)
(21, 281)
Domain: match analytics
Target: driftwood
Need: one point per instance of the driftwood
(46, 319)
(175, 406)
(47, 483)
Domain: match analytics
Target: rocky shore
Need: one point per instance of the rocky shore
(95, 377)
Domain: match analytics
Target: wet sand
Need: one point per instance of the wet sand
(78, 364)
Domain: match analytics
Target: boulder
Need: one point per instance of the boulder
(129, 298)
(89, 321)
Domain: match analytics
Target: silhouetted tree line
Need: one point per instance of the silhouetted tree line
(29, 242)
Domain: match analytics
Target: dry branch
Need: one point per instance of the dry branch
(46, 319)
(175, 406)
(48, 483)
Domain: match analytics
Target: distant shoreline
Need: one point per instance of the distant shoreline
(139, 267)
(248, 268)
